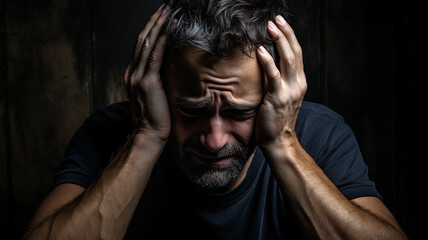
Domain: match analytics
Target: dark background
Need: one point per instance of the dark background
(61, 59)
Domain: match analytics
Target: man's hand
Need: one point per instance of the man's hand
(142, 80)
(323, 209)
(286, 88)
(105, 208)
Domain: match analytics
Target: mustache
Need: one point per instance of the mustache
(230, 149)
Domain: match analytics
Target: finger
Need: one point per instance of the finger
(148, 46)
(272, 73)
(140, 39)
(288, 32)
(292, 40)
(286, 54)
(143, 34)
(150, 88)
(156, 56)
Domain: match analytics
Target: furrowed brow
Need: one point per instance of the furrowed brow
(241, 107)
(186, 103)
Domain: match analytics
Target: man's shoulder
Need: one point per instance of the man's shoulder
(317, 126)
(317, 118)
(94, 143)
(317, 111)
(118, 109)
(118, 113)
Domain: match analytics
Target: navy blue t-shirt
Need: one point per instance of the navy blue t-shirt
(256, 209)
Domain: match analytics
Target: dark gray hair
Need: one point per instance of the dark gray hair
(222, 26)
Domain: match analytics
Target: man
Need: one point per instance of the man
(215, 143)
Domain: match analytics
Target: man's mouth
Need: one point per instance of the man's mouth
(210, 159)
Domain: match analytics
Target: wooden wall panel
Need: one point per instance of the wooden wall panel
(49, 66)
(5, 194)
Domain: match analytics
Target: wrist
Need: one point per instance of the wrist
(144, 139)
(281, 143)
(283, 150)
(141, 149)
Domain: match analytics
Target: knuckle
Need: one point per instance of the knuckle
(276, 38)
(299, 93)
(146, 44)
(143, 84)
(304, 88)
(149, 83)
(296, 95)
(140, 38)
(133, 81)
(161, 40)
(153, 58)
(288, 29)
(158, 23)
(153, 18)
(304, 85)
(299, 52)
(291, 60)
(270, 61)
(276, 75)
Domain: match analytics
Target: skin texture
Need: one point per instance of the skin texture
(105, 208)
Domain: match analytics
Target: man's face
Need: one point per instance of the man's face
(213, 106)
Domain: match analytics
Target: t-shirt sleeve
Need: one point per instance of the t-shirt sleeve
(94, 144)
(332, 144)
(342, 161)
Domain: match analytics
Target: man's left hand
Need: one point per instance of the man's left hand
(286, 88)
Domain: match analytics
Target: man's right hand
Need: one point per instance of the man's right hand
(105, 208)
(142, 80)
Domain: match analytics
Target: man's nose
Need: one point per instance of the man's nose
(216, 135)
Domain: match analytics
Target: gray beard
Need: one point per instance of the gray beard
(215, 176)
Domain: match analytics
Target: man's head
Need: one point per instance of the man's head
(215, 84)
(222, 26)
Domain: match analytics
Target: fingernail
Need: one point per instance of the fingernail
(262, 50)
(271, 26)
(161, 6)
(280, 19)
(165, 9)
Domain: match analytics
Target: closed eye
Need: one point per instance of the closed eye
(193, 112)
(239, 115)
(191, 109)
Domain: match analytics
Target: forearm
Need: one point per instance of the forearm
(105, 209)
(320, 205)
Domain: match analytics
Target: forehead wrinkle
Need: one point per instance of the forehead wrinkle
(197, 74)
(210, 102)
(220, 88)
(220, 79)
(195, 103)
(229, 67)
